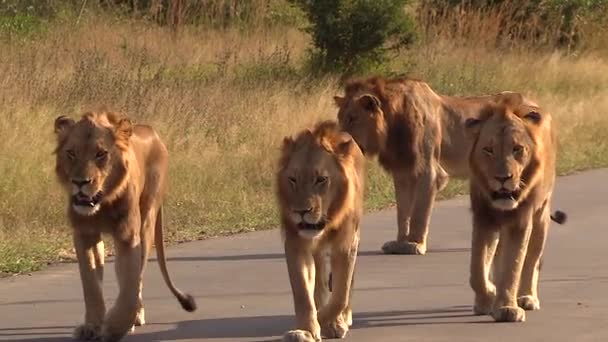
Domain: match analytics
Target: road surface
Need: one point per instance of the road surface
(243, 293)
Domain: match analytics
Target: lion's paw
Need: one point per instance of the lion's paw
(87, 332)
(509, 314)
(140, 319)
(405, 247)
(528, 303)
(335, 329)
(484, 304)
(347, 315)
(299, 336)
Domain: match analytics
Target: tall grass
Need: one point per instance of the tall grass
(222, 100)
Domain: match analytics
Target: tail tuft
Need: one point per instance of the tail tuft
(559, 217)
(188, 302)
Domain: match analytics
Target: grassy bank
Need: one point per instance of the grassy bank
(223, 100)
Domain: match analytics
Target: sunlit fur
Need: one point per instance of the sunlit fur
(317, 172)
(418, 137)
(320, 186)
(114, 175)
(506, 158)
(512, 161)
(80, 156)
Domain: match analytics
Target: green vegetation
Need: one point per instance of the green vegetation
(223, 96)
(355, 35)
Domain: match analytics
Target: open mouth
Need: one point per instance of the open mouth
(504, 194)
(83, 200)
(312, 227)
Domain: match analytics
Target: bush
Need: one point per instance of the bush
(354, 35)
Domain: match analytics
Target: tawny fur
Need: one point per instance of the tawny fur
(512, 161)
(418, 136)
(320, 194)
(119, 171)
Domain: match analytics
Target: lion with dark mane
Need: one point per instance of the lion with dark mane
(114, 174)
(419, 138)
(320, 193)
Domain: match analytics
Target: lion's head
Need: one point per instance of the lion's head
(506, 153)
(317, 179)
(91, 160)
(360, 114)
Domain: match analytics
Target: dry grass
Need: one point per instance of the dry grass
(222, 101)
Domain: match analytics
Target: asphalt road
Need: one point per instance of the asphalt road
(243, 292)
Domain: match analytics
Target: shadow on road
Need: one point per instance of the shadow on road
(271, 327)
(271, 256)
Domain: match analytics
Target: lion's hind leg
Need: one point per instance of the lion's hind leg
(147, 239)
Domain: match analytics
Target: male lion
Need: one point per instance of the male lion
(115, 174)
(419, 138)
(320, 193)
(512, 162)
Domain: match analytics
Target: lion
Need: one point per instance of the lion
(419, 138)
(512, 162)
(114, 174)
(320, 186)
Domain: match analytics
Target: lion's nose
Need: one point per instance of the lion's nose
(503, 179)
(303, 211)
(81, 182)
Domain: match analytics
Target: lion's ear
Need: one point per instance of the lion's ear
(287, 142)
(369, 102)
(533, 117)
(345, 144)
(124, 128)
(63, 125)
(339, 101)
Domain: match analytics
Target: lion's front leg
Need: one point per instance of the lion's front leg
(301, 269)
(425, 190)
(514, 243)
(405, 193)
(484, 243)
(89, 251)
(322, 278)
(528, 288)
(121, 317)
(333, 317)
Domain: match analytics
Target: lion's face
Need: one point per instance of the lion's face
(503, 157)
(362, 117)
(312, 181)
(90, 158)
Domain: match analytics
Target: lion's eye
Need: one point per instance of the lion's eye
(101, 155)
(488, 150)
(71, 155)
(321, 180)
(292, 180)
(518, 149)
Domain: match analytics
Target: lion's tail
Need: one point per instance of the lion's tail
(559, 217)
(185, 299)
